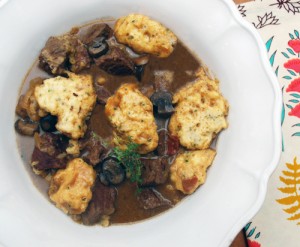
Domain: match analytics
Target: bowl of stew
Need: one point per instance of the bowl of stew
(129, 123)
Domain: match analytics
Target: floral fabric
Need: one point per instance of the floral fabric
(277, 223)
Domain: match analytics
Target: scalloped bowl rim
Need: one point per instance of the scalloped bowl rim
(6, 186)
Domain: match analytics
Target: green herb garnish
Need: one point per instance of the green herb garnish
(130, 158)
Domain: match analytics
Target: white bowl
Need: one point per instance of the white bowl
(248, 150)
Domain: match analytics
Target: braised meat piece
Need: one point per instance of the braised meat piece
(43, 161)
(155, 171)
(102, 94)
(49, 151)
(116, 62)
(162, 147)
(78, 56)
(52, 144)
(93, 150)
(167, 144)
(62, 53)
(54, 55)
(102, 203)
(97, 30)
(150, 198)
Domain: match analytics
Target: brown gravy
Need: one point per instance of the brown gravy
(183, 64)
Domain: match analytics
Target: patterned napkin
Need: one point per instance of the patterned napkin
(277, 224)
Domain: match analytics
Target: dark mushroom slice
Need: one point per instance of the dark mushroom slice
(162, 102)
(111, 171)
(48, 123)
(26, 127)
(98, 47)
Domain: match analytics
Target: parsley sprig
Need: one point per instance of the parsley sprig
(130, 158)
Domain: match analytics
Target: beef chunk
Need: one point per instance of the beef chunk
(155, 171)
(150, 198)
(116, 62)
(50, 143)
(53, 56)
(93, 150)
(102, 203)
(43, 161)
(102, 94)
(78, 56)
(97, 30)
(49, 152)
(162, 147)
(167, 144)
(62, 53)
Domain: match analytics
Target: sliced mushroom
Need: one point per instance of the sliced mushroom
(98, 47)
(26, 127)
(48, 123)
(162, 102)
(111, 172)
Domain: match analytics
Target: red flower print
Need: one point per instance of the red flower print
(294, 86)
(295, 111)
(253, 243)
(295, 45)
(293, 64)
